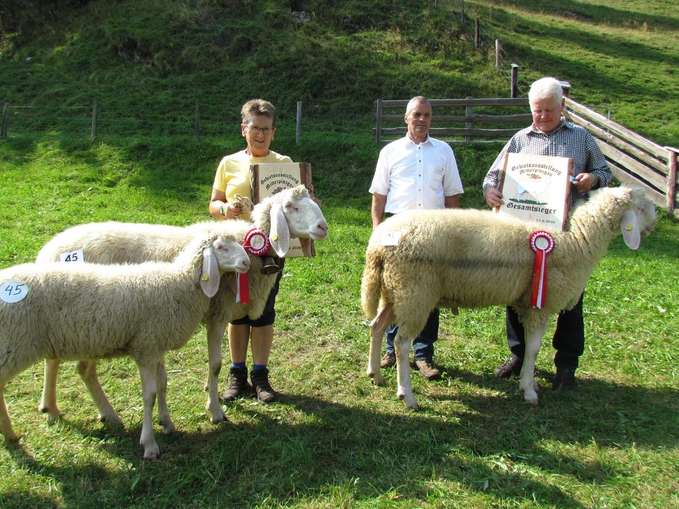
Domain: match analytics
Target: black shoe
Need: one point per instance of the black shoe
(270, 265)
(263, 389)
(564, 379)
(511, 367)
(388, 361)
(238, 384)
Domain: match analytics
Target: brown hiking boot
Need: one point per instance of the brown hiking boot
(510, 367)
(388, 361)
(427, 369)
(238, 384)
(263, 389)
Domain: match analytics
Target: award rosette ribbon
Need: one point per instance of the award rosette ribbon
(542, 243)
(256, 243)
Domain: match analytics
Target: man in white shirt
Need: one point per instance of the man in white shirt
(415, 172)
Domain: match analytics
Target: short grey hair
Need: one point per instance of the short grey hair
(255, 107)
(546, 88)
(414, 101)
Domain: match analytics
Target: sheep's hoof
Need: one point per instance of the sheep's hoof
(52, 418)
(218, 417)
(411, 402)
(111, 420)
(531, 397)
(167, 425)
(152, 452)
(377, 379)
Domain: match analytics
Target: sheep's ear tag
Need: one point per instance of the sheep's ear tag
(209, 277)
(77, 256)
(390, 238)
(630, 229)
(12, 292)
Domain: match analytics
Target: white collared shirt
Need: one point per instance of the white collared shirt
(416, 175)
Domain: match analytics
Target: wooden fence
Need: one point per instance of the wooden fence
(457, 120)
(632, 158)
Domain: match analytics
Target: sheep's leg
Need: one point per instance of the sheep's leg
(534, 334)
(48, 401)
(149, 374)
(377, 328)
(5, 423)
(87, 370)
(163, 411)
(215, 334)
(404, 391)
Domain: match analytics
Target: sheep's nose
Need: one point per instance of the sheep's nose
(322, 229)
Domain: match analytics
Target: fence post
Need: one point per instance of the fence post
(468, 112)
(671, 179)
(497, 54)
(378, 121)
(477, 34)
(298, 125)
(4, 120)
(515, 81)
(462, 11)
(566, 88)
(93, 127)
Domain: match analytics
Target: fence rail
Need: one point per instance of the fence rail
(465, 120)
(633, 159)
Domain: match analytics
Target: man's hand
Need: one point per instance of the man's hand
(585, 181)
(493, 197)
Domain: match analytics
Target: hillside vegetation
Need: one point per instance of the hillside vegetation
(334, 440)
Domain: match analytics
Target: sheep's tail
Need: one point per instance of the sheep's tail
(371, 283)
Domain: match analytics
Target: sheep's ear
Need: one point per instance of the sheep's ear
(630, 229)
(209, 277)
(280, 233)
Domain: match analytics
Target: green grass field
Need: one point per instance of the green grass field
(335, 440)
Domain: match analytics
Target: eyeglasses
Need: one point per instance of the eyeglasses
(262, 130)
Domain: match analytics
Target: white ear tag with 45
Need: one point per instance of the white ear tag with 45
(12, 292)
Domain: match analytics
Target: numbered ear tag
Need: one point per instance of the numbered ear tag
(13, 291)
(390, 238)
(73, 257)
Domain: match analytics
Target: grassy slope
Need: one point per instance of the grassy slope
(335, 440)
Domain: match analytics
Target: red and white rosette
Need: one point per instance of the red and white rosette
(256, 243)
(542, 243)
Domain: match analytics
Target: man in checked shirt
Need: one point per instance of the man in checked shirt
(551, 135)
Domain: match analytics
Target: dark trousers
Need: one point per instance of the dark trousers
(423, 344)
(568, 340)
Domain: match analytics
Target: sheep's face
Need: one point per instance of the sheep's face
(646, 216)
(303, 215)
(231, 257)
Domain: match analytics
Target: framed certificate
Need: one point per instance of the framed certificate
(536, 189)
(270, 178)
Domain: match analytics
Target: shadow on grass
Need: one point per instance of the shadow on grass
(588, 12)
(296, 449)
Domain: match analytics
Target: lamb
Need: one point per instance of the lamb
(76, 311)
(419, 260)
(289, 213)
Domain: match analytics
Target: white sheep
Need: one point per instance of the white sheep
(419, 260)
(89, 311)
(289, 213)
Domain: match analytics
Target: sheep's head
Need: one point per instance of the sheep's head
(291, 213)
(221, 255)
(638, 220)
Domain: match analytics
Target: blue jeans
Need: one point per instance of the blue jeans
(423, 344)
